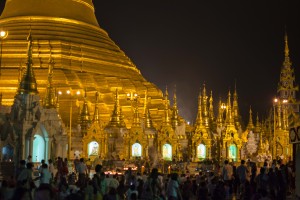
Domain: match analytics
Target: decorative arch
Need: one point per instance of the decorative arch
(232, 151)
(136, 150)
(93, 148)
(201, 151)
(7, 152)
(167, 151)
(38, 152)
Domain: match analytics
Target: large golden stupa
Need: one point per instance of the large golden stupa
(85, 59)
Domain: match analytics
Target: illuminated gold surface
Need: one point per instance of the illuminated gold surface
(84, 56)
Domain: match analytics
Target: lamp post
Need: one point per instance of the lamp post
(3, 35)
(68, 92)
(132, 97)
(223, 108)
(275, 101)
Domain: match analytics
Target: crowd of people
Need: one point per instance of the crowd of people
(53, 180)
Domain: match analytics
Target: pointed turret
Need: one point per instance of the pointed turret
(250, 125)
(229, 118)
(286, 87)
(49, 101)
(96, 118)
(235, 107)
(148, 120)
(28, 83)
(258, 127)
(199, 120)
(166, 102)
(116, 119)
(211, 108)
(136, 117)
(205, 107)
(220, 113)
(85, 115)
(174, 119)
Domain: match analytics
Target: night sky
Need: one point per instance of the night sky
(188, 43)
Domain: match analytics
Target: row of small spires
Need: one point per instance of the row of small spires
(28, 85)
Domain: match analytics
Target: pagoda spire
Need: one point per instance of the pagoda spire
(286, 87)
(116, 119)
(229, 117)
(211, 107)
(167, 119)
(258, 127)
(85, 115)
(49, 101)
(199, 120)
(174, 119)
(286, 50)
(220, 113)
(96, 118)
(28, 83)
(250, 125)
(205, 108)
(149, 123)
(235, 106)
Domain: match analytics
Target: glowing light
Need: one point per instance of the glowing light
(68, 92)
(3, 34)
(78, 92)
(59, 92)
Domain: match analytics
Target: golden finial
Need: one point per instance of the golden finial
(286, 49)
(148, 119)
(211, 106)
(85, 115)
(49, 101)
(250, 125)
(174, 119)
(96, 118)
(28, 83)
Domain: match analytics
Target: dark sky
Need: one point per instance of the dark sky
(188, 43)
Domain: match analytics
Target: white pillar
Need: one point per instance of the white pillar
(47, 149)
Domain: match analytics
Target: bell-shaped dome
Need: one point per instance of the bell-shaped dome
(82, 10)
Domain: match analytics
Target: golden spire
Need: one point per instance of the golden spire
(250, 125)
(174, 119)
(211, 107)
(287, 63)
(145, 104)
(96, 118)
(117, 116)
(28, 83)
(220, 113)
(148, 119)
(205, 108)
(199, 120)
(235, 103)
(167, 120)
(286, 49)
(49, 101)
(229, 117)
(85, 113)
(84, 116)
(20, 71)
(136, 118)
(257, 125)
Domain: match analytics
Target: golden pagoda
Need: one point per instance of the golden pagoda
(84, 56)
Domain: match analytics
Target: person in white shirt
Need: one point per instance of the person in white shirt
(82, 173)
(51, 167)
(45, 175)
